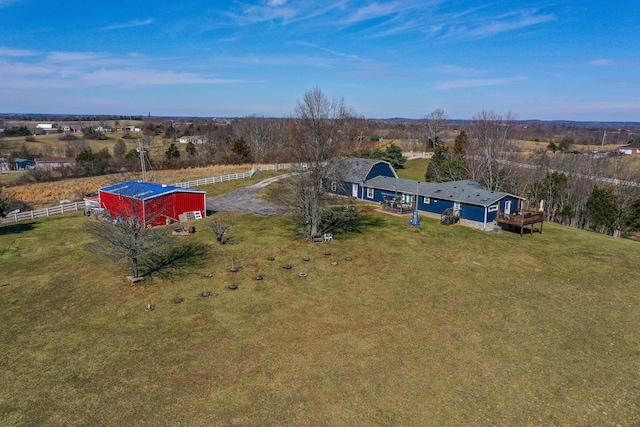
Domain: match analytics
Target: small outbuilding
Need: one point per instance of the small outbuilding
(154, 204)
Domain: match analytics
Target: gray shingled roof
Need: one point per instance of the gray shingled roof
(354, 169)
(467, 191)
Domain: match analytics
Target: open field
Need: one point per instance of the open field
(53, 146)
(428, 325)
(414, 169)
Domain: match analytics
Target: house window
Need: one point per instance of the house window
(427, 200)
(334, 186)
(369, 193)
(493, 208)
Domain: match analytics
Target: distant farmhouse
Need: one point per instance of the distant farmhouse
(632, 149)
(191, 139)
(54, 163)
(466, 202)
(72, 128)
(130, 129)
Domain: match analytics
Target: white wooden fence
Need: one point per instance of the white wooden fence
(42, 213)
(72, 207)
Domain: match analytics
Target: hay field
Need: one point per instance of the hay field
(45, 194)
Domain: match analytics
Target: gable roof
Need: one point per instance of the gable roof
(466, 191)
(355, 169)
(140, 190)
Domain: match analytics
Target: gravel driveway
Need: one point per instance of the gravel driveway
(246, 200)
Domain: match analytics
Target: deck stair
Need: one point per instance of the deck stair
(450, 216)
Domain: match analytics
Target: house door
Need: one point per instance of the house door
(507, 207)
(456, 206)
(354, 190)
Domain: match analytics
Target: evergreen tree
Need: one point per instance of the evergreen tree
(632, 218)
(603, 210)
(393, 155)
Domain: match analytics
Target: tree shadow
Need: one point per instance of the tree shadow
(364, 222)
(172, 261)
(18, 228)
(353, 222)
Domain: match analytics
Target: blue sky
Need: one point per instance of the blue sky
(556, 59)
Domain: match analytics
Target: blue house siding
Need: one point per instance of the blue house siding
(437, 206)
(472, 212)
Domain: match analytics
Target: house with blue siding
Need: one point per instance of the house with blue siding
(473, 204)
(350, 173)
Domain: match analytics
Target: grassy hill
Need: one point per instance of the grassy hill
(428, 325)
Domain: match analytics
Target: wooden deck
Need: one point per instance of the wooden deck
(521, 219)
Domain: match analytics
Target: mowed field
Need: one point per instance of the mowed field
(428, 325)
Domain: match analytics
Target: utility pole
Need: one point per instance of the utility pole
(140, 150)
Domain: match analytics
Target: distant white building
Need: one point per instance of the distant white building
(192, 139)
(46, 128)
(131, 129)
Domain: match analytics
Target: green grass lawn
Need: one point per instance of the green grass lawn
(414, 169)
(428, 325)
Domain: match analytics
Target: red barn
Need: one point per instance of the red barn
(154, 204)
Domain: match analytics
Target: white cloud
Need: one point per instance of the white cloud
(131, 24)
(277, 2)
(461, 71)
(77, 70)
(372, 11)
(468, 83)
(5, 51)
(603, 62)
(481, 23)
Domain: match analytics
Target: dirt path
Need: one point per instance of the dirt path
(246, 200)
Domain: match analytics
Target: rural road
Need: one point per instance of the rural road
(246, 200)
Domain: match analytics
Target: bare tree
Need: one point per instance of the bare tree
(263, 135)
(491, 150)
(127, 239)
(76, 146)
(219, 228)
(320, 133)
(435, 123)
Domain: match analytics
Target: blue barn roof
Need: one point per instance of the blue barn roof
(145, 190)
(466, 191)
